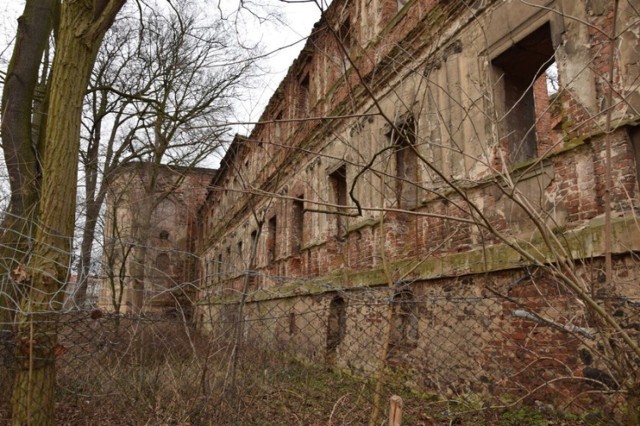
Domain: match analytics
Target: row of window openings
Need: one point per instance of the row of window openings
(519, 67)
(403, 137)
(525, 62)
(304, 93)
(338, 184)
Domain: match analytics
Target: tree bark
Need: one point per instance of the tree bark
(20, 150)
(80, 35)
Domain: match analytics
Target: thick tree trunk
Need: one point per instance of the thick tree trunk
(80, 35)
(20, 153)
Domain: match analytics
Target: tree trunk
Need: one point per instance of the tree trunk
(94, 196)
(34, 27)
(88, 237)
(138, 259)
(80, 35)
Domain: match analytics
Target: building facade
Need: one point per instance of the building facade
(442, 149)
(149, 213)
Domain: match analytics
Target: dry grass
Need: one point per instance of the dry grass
(150, 372)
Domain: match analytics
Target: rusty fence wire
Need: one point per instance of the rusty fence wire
(509, 350)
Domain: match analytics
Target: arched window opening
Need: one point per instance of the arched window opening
(336, 326)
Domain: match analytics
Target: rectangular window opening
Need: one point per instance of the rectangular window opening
(252, 259)
(271, 239)
(403, 137)
(338, 181)
(519, 69)
(345, 38)
(277, 134)
(297, 223)
(303, 100)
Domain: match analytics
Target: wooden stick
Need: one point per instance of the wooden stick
(395, 411)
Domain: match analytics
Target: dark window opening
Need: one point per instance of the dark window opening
(240, 247)
(254, 254)
(338, 182)
(519, 68)
(297, 223)
(336, 325)
(403, 137)
(254, 241)
(404, 325)
(293, 328)
(227, 269)
(271, 239)
(164, 235)
(219, 268)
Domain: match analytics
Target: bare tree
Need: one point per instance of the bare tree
(187, 76)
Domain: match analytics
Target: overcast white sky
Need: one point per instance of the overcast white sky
(298, 18)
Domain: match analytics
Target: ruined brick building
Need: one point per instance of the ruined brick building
(417, 150)
(163, 245)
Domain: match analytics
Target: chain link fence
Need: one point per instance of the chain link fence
(506, 349)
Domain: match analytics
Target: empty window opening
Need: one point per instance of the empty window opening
(338, 182)
(254, 241)
(345, 38)
(219, 267)
(164, 235)
(303, 99)
(297, 223)
(336, 325)
(252, 260)
(403, 137)
(278, 127)
(293, 328)
(240, 254)
(519, 68)
(271, 239)
(404, 323)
